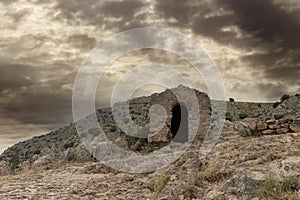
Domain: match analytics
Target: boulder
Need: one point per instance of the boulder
(242, 129)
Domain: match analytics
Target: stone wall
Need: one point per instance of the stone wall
(269, 127)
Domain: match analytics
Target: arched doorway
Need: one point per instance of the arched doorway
(179, 124)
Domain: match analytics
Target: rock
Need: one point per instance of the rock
(271, 121)
(274, 126)
(252, 126)
(286, 167)
(244, 183)
(283, 121)
(4, 168)
(282, 130)
(268, 132)
(41, 161)
(285, 126)
(242, 129)
(261, 126)
(295, 128)
(296, 121)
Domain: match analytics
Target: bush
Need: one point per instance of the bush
(274, 188)
(231, 99)
(276, 104)
(243, 115)
(36, 152)
(113, 128)
(68, 145)
(229, 116)
(159, 183)
(259, 105)
(190, 191)
(278, 117)
(284, 97)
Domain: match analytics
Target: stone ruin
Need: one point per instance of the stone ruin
(179, 105)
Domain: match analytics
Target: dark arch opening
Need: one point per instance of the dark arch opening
(179, 124)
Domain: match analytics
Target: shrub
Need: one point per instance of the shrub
(229, 116)
(259, 105)
(284, 97)
(159, 183)
(113, 128)
(231, 99)
(68, 145)
(243, 115)
(277, 117)
(36, 152)
(190, 191)
(276, 104)
(274, 188)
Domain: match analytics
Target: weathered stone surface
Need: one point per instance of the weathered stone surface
(4, 168)
(252, 126)
(274, 126)
(261, 126)
(268, 132)
(242, 129)
(271, 121)
(282, 130)
(295, 128)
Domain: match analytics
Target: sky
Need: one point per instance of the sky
(254, 43)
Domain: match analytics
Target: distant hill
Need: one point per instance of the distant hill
(257, 155)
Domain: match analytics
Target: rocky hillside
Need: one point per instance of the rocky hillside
(240, 166)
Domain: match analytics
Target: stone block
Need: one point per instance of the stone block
(268, 132)
(261, 126)
(282, 130)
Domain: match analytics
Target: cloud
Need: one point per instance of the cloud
(116, 15)
(39, 107)
(82, 41)
(15, 76)
(267, 21)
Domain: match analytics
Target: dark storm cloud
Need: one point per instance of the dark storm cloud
(181, 11)
(99, 13)
(267, 21)
(27, 98)
(82, 41)
(15, 76)
(39, 106)
(272, 90)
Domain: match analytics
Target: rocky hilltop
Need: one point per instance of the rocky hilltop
(256, 157)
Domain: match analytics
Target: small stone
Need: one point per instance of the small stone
(295, 128)
(274, 126)
(271, 121)
(296, 121)
(268, 132)
(282, 130)
(283, 121)
(285, 126)
(252, 126)
(262, 126)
